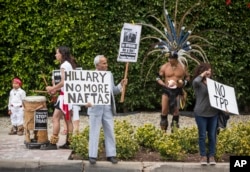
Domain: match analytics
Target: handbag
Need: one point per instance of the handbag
(222, 120)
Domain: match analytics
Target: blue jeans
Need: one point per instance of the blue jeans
(207, 126)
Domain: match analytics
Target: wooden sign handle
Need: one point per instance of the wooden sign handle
(44, 79)
(124, 86)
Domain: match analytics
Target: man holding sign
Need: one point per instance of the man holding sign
(206, 116)
(102, 115)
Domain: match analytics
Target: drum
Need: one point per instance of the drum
(31, 104)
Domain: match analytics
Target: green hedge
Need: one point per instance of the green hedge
(31, 29)
(175, 146)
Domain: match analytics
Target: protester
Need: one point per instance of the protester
(75, 116)
(102, 115)
(15, 107)
(172, 76)
(206, 116)
(56, 78)
(64, 56)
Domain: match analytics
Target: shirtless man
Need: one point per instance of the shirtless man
(174, 77)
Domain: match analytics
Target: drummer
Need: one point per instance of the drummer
(75, 117)
(64, 56)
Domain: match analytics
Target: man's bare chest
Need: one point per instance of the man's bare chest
(178, 73)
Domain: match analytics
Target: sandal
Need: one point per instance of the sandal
(64, 132)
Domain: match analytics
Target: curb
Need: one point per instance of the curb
(103, 166)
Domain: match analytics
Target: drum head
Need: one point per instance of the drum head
(35, 99)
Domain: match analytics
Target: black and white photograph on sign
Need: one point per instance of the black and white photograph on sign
(56, 76)
(40, 119)
(129, 43)
(83, 86)
(222, 97)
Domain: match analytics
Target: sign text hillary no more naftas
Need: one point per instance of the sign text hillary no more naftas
(83, 86)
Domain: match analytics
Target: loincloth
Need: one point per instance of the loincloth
(172, 95)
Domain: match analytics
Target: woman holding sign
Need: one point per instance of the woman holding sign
(205, 115)
(64, 57)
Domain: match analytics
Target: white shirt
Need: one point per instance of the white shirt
(16, 97)
(66, 66)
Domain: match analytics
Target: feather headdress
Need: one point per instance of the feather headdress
(174, 39)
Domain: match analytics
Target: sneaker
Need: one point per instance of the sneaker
(12, 133)
(20, 130)
(49, 147)
(13, 130)
(64, 146)
(212, 161)
(92, 160)
(203, 160)
(19, 133)
(112, 159)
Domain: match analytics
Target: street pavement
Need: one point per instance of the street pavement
(15, 156)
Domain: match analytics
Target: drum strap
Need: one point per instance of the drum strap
(65, 108)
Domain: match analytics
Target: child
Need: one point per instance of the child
(15, 107)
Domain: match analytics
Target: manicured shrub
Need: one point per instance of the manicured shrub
(126, 144)
(175, 146)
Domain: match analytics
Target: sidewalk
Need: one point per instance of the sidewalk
(14, 156)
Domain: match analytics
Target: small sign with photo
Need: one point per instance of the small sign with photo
(129, 43)
(56, 76)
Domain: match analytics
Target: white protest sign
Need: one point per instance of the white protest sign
(129, 43)
(222, 96)
(82, 87)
